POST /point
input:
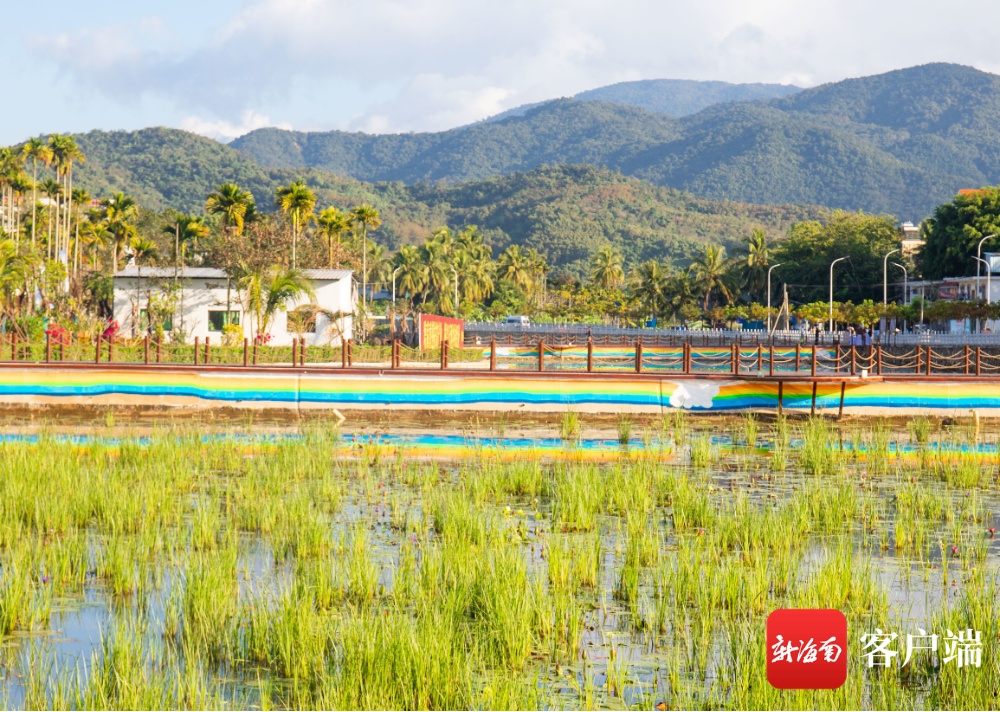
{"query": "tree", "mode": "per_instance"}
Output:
(516, 267)
(119, 212)
(411, 279)
(37, 150)
(606, 268)
(365, 218)
(187, 229)
(232, 203)
(333, 224)
(271, 289)
(143, 250)
(710, 271)
(64, 153)
(296, 202)
(953, 233)
(649, 285)
(757, 263)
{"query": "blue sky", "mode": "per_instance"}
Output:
(222, 67)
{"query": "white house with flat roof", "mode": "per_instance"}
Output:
(200, 301)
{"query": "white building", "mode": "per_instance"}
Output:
(205, 300)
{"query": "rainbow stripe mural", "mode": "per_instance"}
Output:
(498, 391)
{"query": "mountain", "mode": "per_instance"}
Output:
(566, 212)
(900, 142)
(682, 97)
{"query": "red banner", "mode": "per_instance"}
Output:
(435, 329)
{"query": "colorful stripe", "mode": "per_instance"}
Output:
(458, 390)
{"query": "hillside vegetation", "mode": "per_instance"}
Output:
(900, 142)
(565, 212)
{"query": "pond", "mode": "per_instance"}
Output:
(579, 564)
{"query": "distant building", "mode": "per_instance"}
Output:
(206, 301)
(910, 241)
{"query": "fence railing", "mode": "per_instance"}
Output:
(590, 357)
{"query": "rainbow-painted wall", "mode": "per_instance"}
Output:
(292, 388)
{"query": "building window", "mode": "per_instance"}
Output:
(302, 320)
(166, 321)
(219, 319)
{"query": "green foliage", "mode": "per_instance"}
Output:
(954, 232)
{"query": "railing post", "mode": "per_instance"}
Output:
(770, 359)
(246, 352)
(685, 358)
(878, 354)
(350, 353)
(638, 355)
(493, 352)
(798, 357)
(302, 353)
(208, 352)
(929, 359)
(97, 348)
(590, 354)
(541, 355)
(838, 357)
(444, 355)
(920, 359)
(159, 348)
(48, 347)
(62, 350)
(854, 360)
(812, 361)
(392, 354)
(736, 359)
(979, 352)
(111, 348)
(760, 357)
(295, 352)
(343, 353)
(197, 345)
(145, 349)
(967, 359)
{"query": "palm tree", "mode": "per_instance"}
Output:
(710, 271)
(233, 203)
(10, 176)
(52, 189)
(37, 150)
(94, 235)
(365, 218)
(296, 201)
(758, 260)
(143, 250)
(515, 266)
(187, 229)
(119, 211)
(270, 289)
(332, 225)
(64, 152)
(649, 285)
(606, 268)
(14, 271)
(412, 276)
(80, 197)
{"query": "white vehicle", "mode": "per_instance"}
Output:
(518, 320)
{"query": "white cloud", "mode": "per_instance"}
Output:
(226, 130)
(398, 65)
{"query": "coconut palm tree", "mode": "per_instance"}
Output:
(119, 211)
(758, 260)
(80, 198)
(710, 272)
(53, 190)
(606, 268)
(186, 230)
(333, 224)
(515, 267)
(11, 175)
(64, 153)
(143, 251)
(95, 236)
(269, 290)
(233, 203)
(37, 150)
(364, 217)
(411, 279)
(296, 202)
(649, 285)
(14, 272)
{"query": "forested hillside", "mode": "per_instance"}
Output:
(900, 142)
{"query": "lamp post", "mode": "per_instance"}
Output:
(455, 272)
(988, 300)
(769, 296)
(394, 283)
(904, 280)
(885, 281)
(839, 259)
(979, 250)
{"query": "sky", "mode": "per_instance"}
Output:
(223, 68)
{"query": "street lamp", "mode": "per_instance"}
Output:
(885, 281)
(904, 280)
(394, 283)
(769, 296)
(839, 259)
(979, 249)
(988, 300)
